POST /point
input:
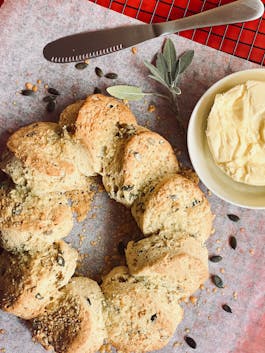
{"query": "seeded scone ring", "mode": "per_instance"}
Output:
(96, 125)
(175, 204)
(174, 258)
(44, 158)
(141, 158)
(30, 281)
(31, 223)
(141, 316)
(73, 323)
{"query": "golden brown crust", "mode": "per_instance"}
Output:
(74, 322)
(31, 223)
(96, 125)
(141, 316)
(141, 159)
(175, 204)
(69, 115)
(28, 282)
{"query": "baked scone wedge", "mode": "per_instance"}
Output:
(31, 223)
(175, 258)
(73, 323)
(28, 282)
(96, 125)
(141, 316)
(175, 204)
(141, 158)
(45, 158)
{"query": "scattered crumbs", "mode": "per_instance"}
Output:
(93, 243)
(35, 88)
(218, 250)
(177, 344)
(87, 61)
(213, 231)
(202, 287)
(2, 331)
(134, 50)
(198, 314)
(207, 290)
(193, 299)
(14, 103)
(218, 241)
(81, 239)
(39, 81)
(187, 330)
(251, 251)
(214, 290)
(28, 85)
(222, 270)
(235, 295)
(46, 86)
(151, 108)
(242, 230)
(209, 317)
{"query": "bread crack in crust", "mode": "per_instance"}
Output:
(30, 281)
(74, 322)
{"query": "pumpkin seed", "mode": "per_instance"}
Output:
(215, 258)
(153, 317)
(121, 248)
(27, 92)
(38, 296)
(60, 261)
(81, 66)
(233, 242)
(50, 107)
(217, 281)
(227, 308)
(97, 90)
(111, 75)
(233, 217)
(53, 91)
(98, 72)
(190, 342)
(48, 99)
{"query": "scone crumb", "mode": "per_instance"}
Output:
(2, 331)
(214, 290)
(177, 344)
(187, 330)
(193, 299)
(134, 50)
(209, 317)
(151, 108)
(251, 251)
(222, 270)
(202, 287)
(235, 295)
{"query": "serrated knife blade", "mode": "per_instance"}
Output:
(87, 45)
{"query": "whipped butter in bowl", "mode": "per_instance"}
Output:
(236, 132)
(226, 138)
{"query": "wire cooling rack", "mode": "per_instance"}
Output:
(244, 40)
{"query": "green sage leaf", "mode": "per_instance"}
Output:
(161, 65)
(169, 53)
(131, 93)
(184, 61)
(155, 72)
(159, 80)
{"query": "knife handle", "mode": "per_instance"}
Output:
(237, 11)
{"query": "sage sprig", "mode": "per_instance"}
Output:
(167, 71)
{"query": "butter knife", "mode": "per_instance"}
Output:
(92, 44)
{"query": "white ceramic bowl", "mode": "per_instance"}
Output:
(214, 179)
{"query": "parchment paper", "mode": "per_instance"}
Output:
(26, 26)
